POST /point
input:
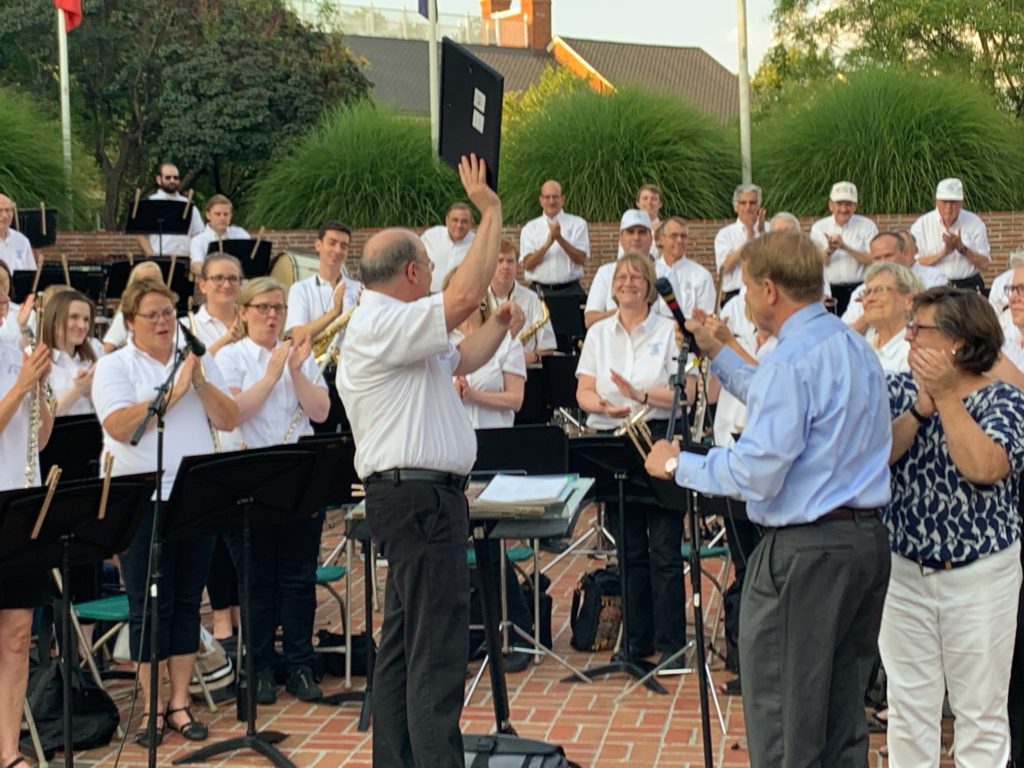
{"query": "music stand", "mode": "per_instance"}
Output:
(75, 445)
(70, 534)
(159, 217)
(610, 460)
(39, 225)
(534, 409)
(219, 494)
(254, 255)
(181, 280)
(90, 279)
(357, 529)
(566, 311)
(471, 103)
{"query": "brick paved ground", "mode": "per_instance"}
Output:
(598, 726)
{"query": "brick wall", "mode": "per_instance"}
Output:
(1005, 231)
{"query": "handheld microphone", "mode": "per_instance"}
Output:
(192, 343)
(664, 289)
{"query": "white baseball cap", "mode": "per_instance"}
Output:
(950, 189)
(634, 217)
(843, 191)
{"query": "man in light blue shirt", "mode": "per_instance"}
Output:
(812, 465)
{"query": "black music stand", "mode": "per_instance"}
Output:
(181, 280)
(611, 460)
(70, 534)
(534, 409)
(90, 279)
(254, 255)
(566, 310)
(357, 529)
(160, 217)
(75, 445)
(40, 229)
(219, 494)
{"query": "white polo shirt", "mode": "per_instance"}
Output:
(16, 251)
(176, 244)
(200, 243)
(928, 231)
(646, 358)
(14, 437)
(208, 328)
(130, 376)
(444, 253)
(556, 267)
(490, 377)
(893, 354)
(311, 297)
(729, 238)
(245, 363)
(64, 371)
(117, 333)
(10, 331)
(395, 380)
(840, 267)
(529, 303)
(690, 281)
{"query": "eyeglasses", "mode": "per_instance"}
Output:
(1017, 289)
(172, 178)
(878, 290)
(428, 265)
(221, 279)
(914, 328)
(152, 317)
(266, 309)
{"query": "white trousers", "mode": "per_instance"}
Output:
(950, 630)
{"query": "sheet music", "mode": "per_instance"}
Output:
(519, 489)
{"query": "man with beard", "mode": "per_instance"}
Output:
(167, 182)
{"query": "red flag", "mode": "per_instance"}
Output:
(72, 12)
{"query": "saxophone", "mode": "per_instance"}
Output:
(213, 430)
(323, 341)
(529, 333)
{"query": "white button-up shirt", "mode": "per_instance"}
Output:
(200, 244)
(556, 267)
(1013, 345)
(928, 231)
(245, 363)
(529, 303)
(208, 328)
(893, 354)
(728, 239)
(176, 244)
(10, 331)
(997, 293)
(731, 412)
(395, 380)
(693, 284)
(490, 377)
(646, 358)
(117, 333)
(734, 315)
(16, 250)
(310, 298)
(840, 267)
(65, 370)
(929, 276)
(444, 253)
(130, 376)
(14, 436)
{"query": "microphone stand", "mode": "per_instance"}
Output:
(157, 408)
(679, 403)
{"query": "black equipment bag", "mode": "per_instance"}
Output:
(501, 750)
(596, 611)
(544, 620)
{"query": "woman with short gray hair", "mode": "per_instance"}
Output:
(888, 291)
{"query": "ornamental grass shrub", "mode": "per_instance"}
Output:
(894, 135)
(32, 163)
(365, 165)
(603, 147)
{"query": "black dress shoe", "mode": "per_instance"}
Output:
(266, 686)
(516, 661)
(302, 686)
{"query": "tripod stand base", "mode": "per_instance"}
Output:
(638, 670)
(262, 742)
(363, 697)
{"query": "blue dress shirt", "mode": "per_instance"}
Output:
(818, 433)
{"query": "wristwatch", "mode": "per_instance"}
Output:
(670, 465)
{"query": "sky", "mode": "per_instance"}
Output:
(707, 24)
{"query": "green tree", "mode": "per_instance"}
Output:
(978, 40)
(142, 69)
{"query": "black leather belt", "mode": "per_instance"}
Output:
(399, 476)
(943, 565)
(558, 286)
(846, 513)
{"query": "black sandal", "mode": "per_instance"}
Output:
(142, 737)
(193, 730)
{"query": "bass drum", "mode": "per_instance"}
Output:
(288, 268)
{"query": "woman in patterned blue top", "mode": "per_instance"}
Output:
(950, 613)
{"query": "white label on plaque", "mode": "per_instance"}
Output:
(478, 121)
(479, 100)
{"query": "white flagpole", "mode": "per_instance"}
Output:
(434, 75)
(65, 112)
(744, 80)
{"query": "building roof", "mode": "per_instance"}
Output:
(398, 70)
(690, 73)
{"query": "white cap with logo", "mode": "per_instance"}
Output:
(843, 191)
(634, 217)
(950, 189)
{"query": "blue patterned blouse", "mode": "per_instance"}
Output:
(935, 514)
